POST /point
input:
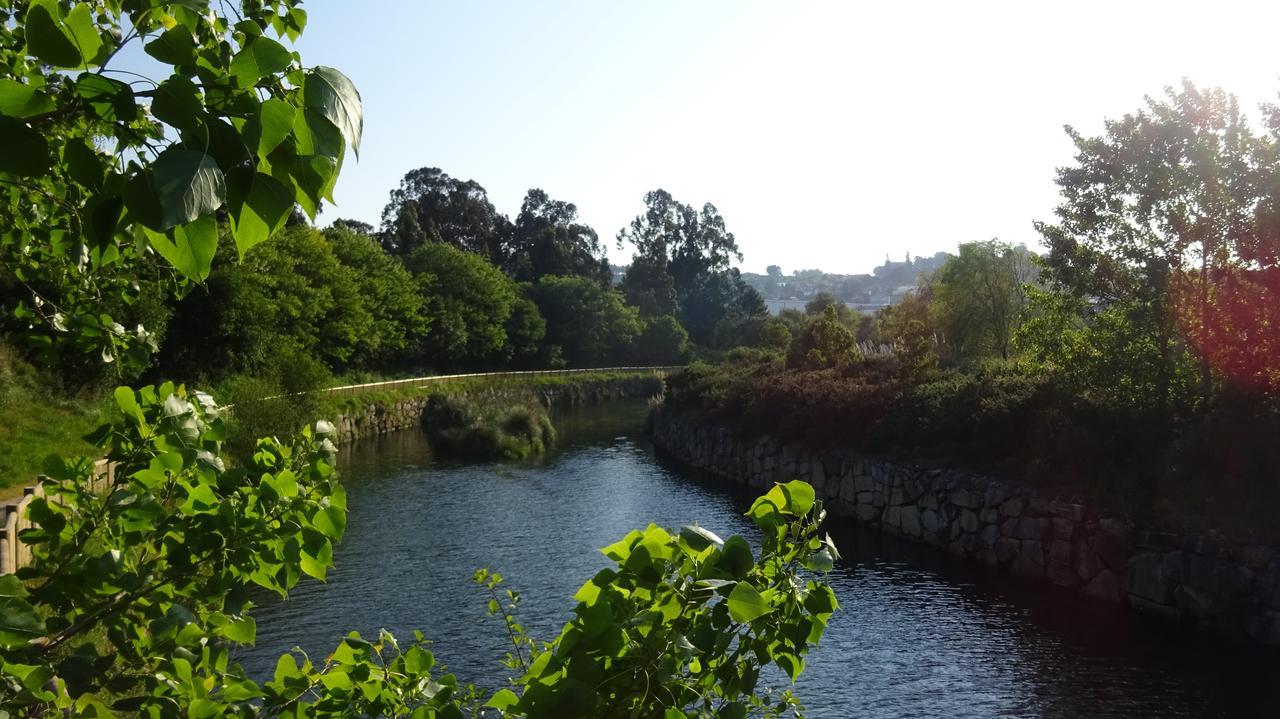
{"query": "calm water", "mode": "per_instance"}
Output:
(916, 637)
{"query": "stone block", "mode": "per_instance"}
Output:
(929, 521)
(990, 515)
(969, 521)
(990, 535)
(1145, 580)
(864, 483)
(866, 513)
(1063, 529)
(910, 522)
(893, 517)
(1105, 587)
(1007, 549)
(1030, 558)
(966, 499)
(995, 495)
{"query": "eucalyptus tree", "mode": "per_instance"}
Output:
(102, 167)
(548, 239)
(430, 206)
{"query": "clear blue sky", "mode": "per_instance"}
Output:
(829, 134)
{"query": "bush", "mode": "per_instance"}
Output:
(472, 428)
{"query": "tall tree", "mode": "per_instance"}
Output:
(547, 239)
(1170, 193)
(683, 261)
(431, 206)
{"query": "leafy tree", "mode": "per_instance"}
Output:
(291, 295)
(979, 298)
(1175, 186)
(775, 335)
(387, 291)
(590, 324)
(662, 342)
(101, 171)
(430, 206)
(547, 239)
(526, 330)
(683, 260)
(469, 302)
(821, 301)
(824, 342)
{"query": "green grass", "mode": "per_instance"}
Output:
(38, 419)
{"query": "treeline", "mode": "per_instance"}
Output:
(446, 284)
(1139, 358)
(877, 287)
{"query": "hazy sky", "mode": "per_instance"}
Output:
(829, 134)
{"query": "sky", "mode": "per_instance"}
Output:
(829, 134)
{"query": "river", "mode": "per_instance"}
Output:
(917, 635)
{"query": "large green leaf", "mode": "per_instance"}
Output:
(260, 58)
(189, 248)
(84, 34)
(275, 121)
(45, 38)
(20, 100)
(261, 212)
(746, 604)
(111, 100)
(19, 622)
(331, 94)
(175, 46)
(189, 185)
(177, 102)
(23, 151)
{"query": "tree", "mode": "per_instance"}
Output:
(662, 342)
(547, 239)
(289, 296)
(775, 335)
(430, 206)
(98, 172)
(979, 298)
(590, 324)
(398, 317)
(824, 342)
(683, 260)
(1182, 184)
(469, 302)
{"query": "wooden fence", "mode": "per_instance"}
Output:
(14, 554)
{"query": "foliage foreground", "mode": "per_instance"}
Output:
(137, 598)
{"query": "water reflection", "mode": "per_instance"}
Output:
(917, 636)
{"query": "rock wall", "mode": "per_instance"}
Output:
(406, 412)
(1226, 586)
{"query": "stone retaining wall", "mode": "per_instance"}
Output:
(1223, 585)
(406, 413)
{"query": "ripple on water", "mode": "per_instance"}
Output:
(916, 636)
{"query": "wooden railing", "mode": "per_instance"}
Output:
(13, 515)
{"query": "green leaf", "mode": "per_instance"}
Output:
(111, 100)
(189, 185)
(799, 497)
(502, 700)
(84, 164)
(331, 522)
(175, 46)
(23, 151)
(20, 100)
(177, 102)
(11, 586)
(19, 623)
(243, 630)
(84, 35)
(275, 119)
(699, 538)
(45, 38)
(189, 248)
(260, 58)
(261, 213)
(746, 604)
(331, 94)
(735, 558)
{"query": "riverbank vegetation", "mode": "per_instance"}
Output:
(124, 204)
(1136, 360)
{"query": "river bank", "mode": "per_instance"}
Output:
(915, 627)
(1227, 586)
